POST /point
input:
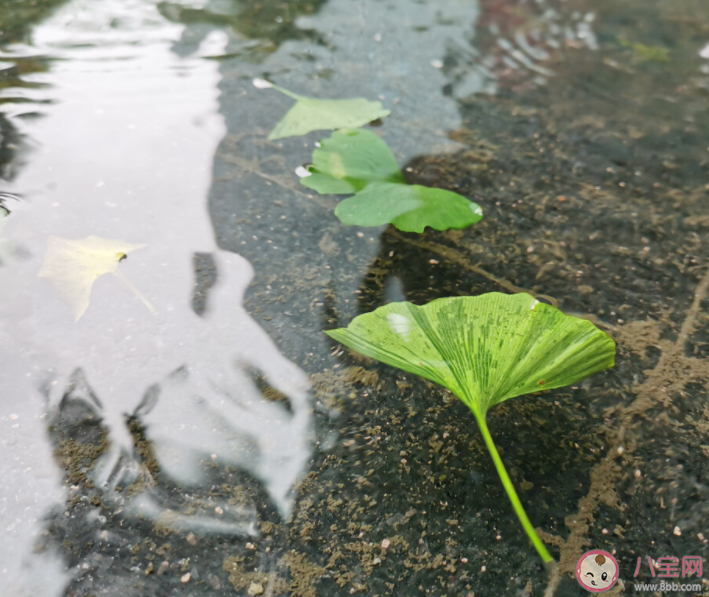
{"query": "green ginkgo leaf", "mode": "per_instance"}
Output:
(486, 350)
(409, 207)
(312, 114)
(358, 161)
(73, 266)
(349, 161)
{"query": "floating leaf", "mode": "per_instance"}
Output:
(312, 114)
(358, 161)
(409, 207)
(73, 266)
(486, 350)
(349, 161)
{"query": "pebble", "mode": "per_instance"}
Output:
(386, 543)
(163, 568)
(218, 510)
(191, 539)
(256, 588)
(677, 531)
(185, 578)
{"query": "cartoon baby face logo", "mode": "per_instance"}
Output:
(597, 571)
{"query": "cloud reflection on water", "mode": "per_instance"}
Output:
(125, 152)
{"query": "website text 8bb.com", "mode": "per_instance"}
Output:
(668, 586)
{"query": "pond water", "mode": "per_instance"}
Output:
(194, 431)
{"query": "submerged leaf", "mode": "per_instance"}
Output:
(358, 161)
(312, 114)
(484, 349)
(409, 207)
(73, 266)
(349, 161)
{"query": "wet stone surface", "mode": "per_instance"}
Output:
(593, 184)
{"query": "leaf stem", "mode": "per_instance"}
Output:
(295, 96)
(137, 293)
(512, 494)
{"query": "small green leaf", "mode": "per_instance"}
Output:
(409, 207)
(358, 161)
(311, 114)
(349, 161)
(484, 349)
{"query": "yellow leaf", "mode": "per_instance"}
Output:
(73, 266)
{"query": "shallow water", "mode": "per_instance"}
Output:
(208, 438)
